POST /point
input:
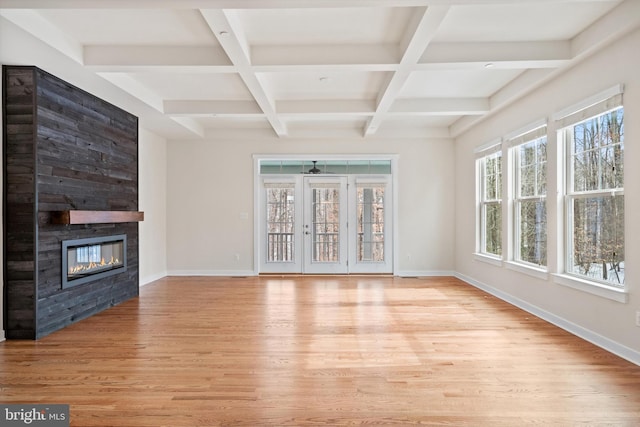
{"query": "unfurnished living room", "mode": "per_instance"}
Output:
(320, 212)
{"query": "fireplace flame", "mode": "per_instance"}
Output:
(86, 268)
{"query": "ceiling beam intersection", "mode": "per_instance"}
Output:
(417, 37)
(231, 37)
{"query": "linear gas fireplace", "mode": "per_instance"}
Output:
(85, 260)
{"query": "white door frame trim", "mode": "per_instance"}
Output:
(257, 224)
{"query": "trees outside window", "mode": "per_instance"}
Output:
(595, 198)
(280, 223)
(490, 167)
(530, 200)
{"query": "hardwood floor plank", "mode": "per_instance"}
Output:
(314, 350)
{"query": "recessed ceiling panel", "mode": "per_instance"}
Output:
(456, 83)
(520, 21)
(418, 121)
(324, 85)
(133, 26)
(234, 122)
(344, 123)
(324, 26)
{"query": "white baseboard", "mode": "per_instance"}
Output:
(146, 280)
(586, 334)
(421, 273)
(408, 273)
(221, 273)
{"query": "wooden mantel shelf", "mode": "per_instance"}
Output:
(95, 217)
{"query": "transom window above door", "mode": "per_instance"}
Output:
(345, 167)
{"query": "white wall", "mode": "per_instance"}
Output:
(152, 200)
(210, 184)
(609, 323)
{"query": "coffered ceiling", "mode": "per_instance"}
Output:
(323, 68)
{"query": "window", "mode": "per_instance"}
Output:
(594, 140)
(530, 197)
(490, 173)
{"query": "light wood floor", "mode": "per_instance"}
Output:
(320, 351)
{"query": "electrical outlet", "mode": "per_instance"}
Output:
(638, 318)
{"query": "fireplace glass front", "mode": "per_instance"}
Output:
(85, 260)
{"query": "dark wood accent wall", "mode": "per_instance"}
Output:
(64, 149)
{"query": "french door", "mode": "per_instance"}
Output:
(326, 224)
(325, 247)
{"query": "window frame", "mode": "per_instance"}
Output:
(566, 135)
(534, 134)
(492, 150)
(571, 195)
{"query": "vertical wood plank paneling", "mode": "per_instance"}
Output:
(86, 157)
(19, 196)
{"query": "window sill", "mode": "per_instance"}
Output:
(530, 270)
(594, 288)
(489, 259)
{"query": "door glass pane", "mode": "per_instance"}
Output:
(370, 211)
(326, 225)
(280, 225)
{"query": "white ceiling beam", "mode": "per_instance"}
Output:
(190, 124)
(334, 106)
(525, 83)
(420, 132)
(231, 38)
(211, 108)
(417, 37)
(126, 58)
(232, 20)
(618, 22)
(440, 106)
(35, 24)
(498, 55)
(252, 4)
(135, 88)
(310, 132)
(326, 118)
